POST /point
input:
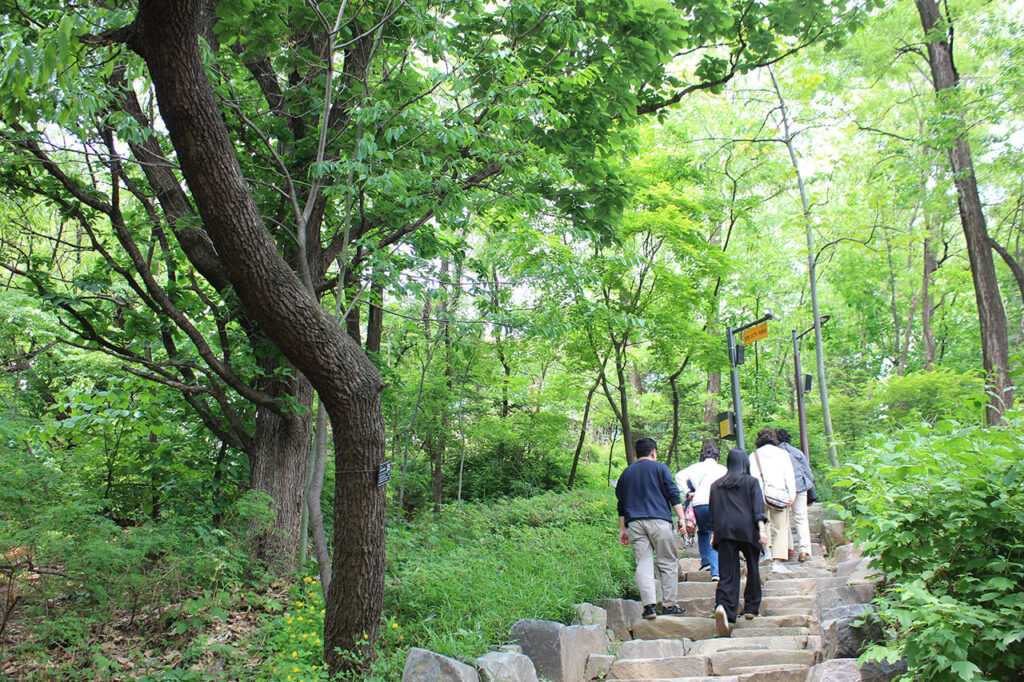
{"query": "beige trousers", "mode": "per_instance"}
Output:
(801, 525)
(649, 537)
(778, 532)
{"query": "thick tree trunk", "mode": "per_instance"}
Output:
(278, 466)
(165, 35)
(995, 349)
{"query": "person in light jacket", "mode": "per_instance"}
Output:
(773, 468)
(698, 478)
(804, 482)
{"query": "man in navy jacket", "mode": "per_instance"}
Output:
(647, 495)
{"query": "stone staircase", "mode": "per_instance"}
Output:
(803, 634)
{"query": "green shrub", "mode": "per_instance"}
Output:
(941, 506)
(458, 581)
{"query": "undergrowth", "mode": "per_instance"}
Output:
(457, 582)
(941, 506)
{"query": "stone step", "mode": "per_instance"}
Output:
(791, 571)
(729, 662)
(776, 605)
(675, 627)
(668, 667)
(702, 678)
(709, 646)
(786, 586)
(771, 673)
(798, 620)
(741, 633)
(703, 627)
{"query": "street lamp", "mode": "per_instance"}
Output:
(800, 386)
(736, 359)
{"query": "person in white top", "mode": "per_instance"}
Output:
(773, 469)
(697, 478)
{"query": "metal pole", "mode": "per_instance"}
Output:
(734, 379)
(799, 386)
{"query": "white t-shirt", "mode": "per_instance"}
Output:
(701, 475)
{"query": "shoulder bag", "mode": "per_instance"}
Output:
(774, 497)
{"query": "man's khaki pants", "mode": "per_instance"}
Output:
(649, 537)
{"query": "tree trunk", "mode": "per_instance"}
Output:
(995, 350)
(930, 265)
(712, 393)
(165, 35)
(316, 513)
(583, 433)
(279, 464)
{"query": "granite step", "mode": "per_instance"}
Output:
(770, 673)
(729, 662)
(666, 667)
(710, 646)
(770, 606)
(743, 632)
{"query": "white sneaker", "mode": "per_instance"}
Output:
(722, 626)
(779, 567)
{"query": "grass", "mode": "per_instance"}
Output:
(457, 582)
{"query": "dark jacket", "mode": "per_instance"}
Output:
(736, 510)
(646, 491)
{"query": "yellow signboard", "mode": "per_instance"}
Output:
(755, 333)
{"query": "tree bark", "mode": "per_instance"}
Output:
(165, 35)
(991, 315)
(278, 466)
(929, 266)
(583, 433)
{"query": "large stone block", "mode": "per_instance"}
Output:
(651, 648)
(559, 652)
(882, 671)
(426, 666)
(835, 670)
(844, 640)
(675, 627)
(833, 533)
(622, 613)
(853, 593)
(771, 673)
(847, 552)
(659, 668)
(588, 614)
(726, 662)
(597, 667)
(506, 666)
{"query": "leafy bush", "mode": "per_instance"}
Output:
(457, 582)
(941, 507)
(898, 401)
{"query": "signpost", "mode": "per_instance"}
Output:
(749, 333)
(755, 333)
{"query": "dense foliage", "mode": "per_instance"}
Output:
(941, 507)
(536, 219)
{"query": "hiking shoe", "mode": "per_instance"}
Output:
(722, 626)
(649, 612)
(672, 610)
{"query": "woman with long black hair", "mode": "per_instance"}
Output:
(738, 518)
